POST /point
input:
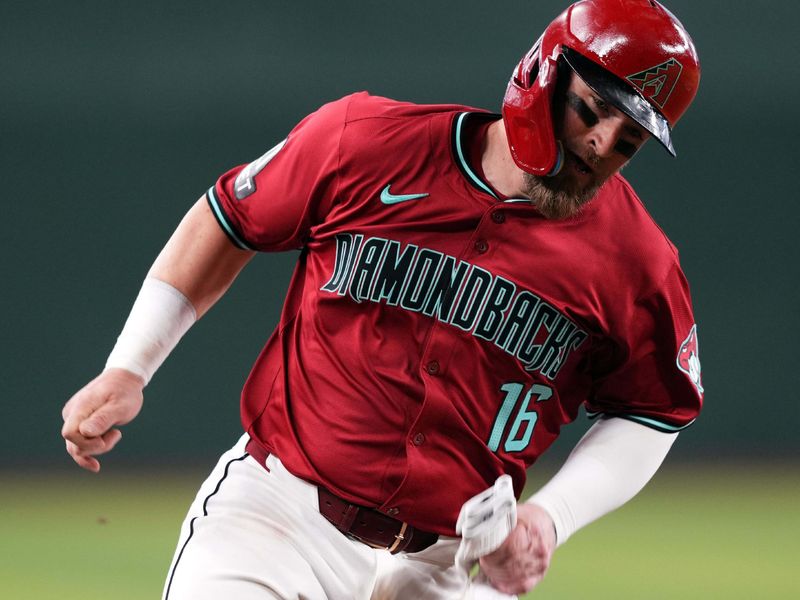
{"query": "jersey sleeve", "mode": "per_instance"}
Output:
(272, 203)
(655, 377)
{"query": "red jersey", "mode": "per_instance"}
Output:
(435, 336)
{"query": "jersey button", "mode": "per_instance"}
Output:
(419, 439)
(499, 216)
(432, 367)
(393, 511)
(481, 246)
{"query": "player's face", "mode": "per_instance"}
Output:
(598, 140)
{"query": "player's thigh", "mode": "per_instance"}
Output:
(251, 531)
(213, 569)
(237, 540)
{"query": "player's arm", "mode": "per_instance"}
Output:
(195, 268)
(608, 467)
(199, 259)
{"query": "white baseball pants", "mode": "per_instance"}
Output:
(253, 534)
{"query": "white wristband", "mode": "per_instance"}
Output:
(607, 467)
(160, 316)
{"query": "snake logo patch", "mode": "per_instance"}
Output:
(657, 83)
(688, 359)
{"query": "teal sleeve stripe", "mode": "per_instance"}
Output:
(464, 163)
(648, 422)
(222, 219)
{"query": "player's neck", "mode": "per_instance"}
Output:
(498, 166)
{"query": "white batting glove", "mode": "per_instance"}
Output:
(484, 523)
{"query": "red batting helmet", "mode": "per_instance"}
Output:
(634, 53)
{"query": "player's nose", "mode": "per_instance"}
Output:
(603, 136)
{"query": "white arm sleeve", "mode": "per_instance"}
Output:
(607, 467)
(160, 316)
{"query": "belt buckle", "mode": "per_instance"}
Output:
(399, 538)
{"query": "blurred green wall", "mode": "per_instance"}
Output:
(116, 116)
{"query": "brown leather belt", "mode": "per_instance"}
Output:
(373, 527)
(367, 525)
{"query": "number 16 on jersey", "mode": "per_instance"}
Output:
(514, 442)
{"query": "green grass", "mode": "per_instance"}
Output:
(86, 537)
(718, 532)
(725, 532)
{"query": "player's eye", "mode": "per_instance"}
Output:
(626, 148)
(586, 114)
(600, 104)
(635, 133)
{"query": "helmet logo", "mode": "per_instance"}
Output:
(657, 83)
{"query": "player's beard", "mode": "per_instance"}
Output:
(559, 196)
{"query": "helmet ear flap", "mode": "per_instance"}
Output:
(528, 114)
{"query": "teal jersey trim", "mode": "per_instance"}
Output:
(646, 421)
(464, 164)
(219, 214)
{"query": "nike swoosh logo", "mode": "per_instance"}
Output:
(389, 198)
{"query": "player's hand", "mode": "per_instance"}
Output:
(113, 398)
(522, 560)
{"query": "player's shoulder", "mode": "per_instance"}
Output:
(637, 232)
(364, 106)
(629, 206)
(376, 123)
(379, 129)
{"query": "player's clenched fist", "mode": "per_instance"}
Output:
(522, 560)
(113, 398)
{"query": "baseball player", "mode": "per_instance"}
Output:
(466, 282)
